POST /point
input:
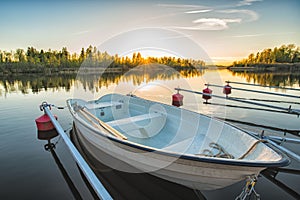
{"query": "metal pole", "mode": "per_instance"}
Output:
(89, 174)
(276, 87)
(285, 150)
(257, 91)
(282, 139)
(289, 110)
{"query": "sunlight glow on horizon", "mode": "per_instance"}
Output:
(158, 53)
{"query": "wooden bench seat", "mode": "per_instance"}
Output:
(133, 119)
(154, 124)
(100, 105)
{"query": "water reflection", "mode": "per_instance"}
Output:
(143, 74)
(275, 78)
(138, 75)
(91, 81)
(47, 135)
(35, 83)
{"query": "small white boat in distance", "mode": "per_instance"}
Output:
(188, 148)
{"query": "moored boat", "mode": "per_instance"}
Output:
(178, 145)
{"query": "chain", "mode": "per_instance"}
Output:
(45, 104)
(249, 189)
(59, 107)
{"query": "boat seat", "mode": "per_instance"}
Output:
(180, 146)
(137, 118)
(153, 123)
(95, 105)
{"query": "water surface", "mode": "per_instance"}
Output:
(28, 171)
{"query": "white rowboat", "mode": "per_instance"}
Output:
(188, 148)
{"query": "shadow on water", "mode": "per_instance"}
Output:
(122, 185)
(50, 147)
(271, 174)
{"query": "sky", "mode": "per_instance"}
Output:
(217, 31)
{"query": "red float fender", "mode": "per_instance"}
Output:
(227, 89)
(177, 100)
(206, 91)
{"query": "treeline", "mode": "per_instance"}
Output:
(284, 54)
(33, 59)
(39, 58)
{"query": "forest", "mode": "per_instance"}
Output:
(282, 55)
(35, 61)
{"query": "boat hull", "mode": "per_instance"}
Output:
(190, 173)
(142, 136)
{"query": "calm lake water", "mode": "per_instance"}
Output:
(28, 171)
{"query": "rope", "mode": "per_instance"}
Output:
(224, 154)
(252, 148)
(59, 107)
(221, 152)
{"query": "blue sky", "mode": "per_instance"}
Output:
(225, 29)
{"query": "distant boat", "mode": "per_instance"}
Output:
(172, 143)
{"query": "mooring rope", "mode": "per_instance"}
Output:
(252, 148)
(220, 154)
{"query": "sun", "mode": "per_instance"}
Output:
(152, 52)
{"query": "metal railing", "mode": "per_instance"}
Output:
(100, 190)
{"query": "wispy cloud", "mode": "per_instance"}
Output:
(216, 20)
(186, 6)
(209, 24)
(175, 37)
(81, 32)
(250, 35)
(209, 18)
(197, 11)
(247, 2)
(262, 34)
(252, 16)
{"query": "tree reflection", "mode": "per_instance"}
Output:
(34, 83)
(275, 78)
(93, 81)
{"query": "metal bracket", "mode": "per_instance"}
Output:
(44, 105)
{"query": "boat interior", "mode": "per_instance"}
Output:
(176, 130)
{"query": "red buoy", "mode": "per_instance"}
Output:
(205, 92)
(177, 99)
(44, 123)
(227, 89)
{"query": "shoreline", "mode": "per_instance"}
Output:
(266, 67)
